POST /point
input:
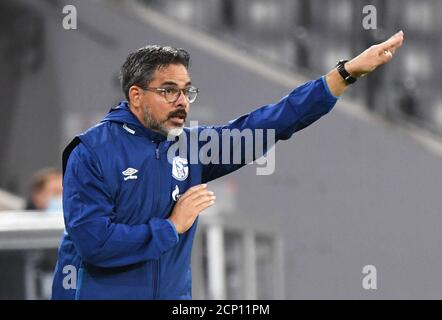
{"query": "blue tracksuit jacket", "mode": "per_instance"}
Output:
(118, 193)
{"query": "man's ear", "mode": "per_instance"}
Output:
(135, 96)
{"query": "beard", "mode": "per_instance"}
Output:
(160, 126)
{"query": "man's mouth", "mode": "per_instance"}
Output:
(178, 118)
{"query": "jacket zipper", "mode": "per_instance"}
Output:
(156, 278)
(155, 265)
(157, 151)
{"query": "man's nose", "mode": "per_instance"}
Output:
(182, 100)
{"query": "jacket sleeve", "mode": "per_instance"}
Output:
(303, 106)
(88, 211)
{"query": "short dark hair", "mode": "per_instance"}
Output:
(139, 67)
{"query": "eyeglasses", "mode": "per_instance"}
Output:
(172, 94)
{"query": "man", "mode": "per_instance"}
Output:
(130, 210)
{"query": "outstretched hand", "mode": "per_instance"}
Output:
(365, 63)
(375, 56)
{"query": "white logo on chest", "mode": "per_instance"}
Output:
(129, 174)
(180, 168)
(176, 194)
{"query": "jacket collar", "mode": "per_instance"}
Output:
(123, 115)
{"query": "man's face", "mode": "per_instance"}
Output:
(152, 108)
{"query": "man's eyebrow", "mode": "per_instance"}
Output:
(172, 83)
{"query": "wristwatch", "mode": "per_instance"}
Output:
(344, 73)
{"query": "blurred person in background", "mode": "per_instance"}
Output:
(130, 213)
(46, 191)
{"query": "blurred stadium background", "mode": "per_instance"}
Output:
(360, 187)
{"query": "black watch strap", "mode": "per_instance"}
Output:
(348, 78)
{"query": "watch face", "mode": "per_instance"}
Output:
(350, 79)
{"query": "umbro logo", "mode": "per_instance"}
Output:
(129, 174)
